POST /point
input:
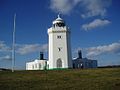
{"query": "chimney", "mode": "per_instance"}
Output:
(79, 54)
(41, 56)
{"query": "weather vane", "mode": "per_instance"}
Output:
(59, 14)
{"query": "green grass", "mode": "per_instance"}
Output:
(87, 79)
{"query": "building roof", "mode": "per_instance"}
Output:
(58, 20)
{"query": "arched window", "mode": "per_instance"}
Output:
(59, 63)
(35, 65)
(39, 65)
(32, 66)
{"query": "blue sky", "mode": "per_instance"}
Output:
(94, 25)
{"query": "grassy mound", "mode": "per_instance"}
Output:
(87, 79)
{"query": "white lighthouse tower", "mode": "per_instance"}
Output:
(59, 45)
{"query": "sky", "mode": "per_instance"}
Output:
(94, 26)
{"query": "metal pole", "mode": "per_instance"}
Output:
(13, 46)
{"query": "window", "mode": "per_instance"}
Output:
(59, 49)
(59, 37)
(60, 24)
(32, 66)
(35, 65)
(39, 66)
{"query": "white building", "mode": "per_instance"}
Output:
(80, 62)
(38, 64)
(59, 45)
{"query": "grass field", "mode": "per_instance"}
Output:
(87, 79)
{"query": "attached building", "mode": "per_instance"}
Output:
(80, 62)
(37, 64)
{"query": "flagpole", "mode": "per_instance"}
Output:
(13, 45)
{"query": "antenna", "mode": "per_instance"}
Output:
(13, 45)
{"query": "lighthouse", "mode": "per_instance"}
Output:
(60, 51)
(59, 45)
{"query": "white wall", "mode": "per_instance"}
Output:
(64, 43)
(36, 65)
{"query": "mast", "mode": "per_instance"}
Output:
(13, 45)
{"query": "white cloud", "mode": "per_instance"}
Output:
(24, 48)
(4, 47)
(96, 23)
(90, 8)
(44, 48)
(111, 48)
(7, 57)
(30, 48)
(63, 6)
(95, 7)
